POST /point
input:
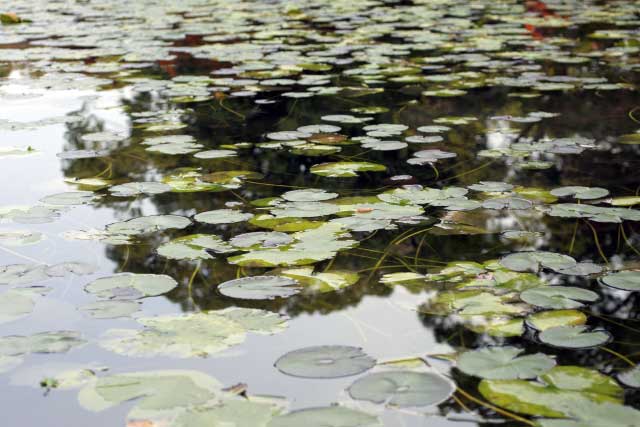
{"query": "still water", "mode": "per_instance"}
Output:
(322, 213)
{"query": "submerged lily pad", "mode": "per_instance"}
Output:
(402, 388)
(328, 361)
(110, 309)
(131, 286)
(260, 287)
(504, 363)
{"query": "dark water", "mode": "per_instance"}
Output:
(79, 68)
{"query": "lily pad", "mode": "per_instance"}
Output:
(631, 377)
(222, 216)
(260, 287)
(573, 337)
(129, 286)
(194, 247)
(148, 224)
(582, 193)
(534, 261)
(558, 296)
(346, 169)
(330, 416)
(70, 198)
(136, 188)
(328, 361)
(627, 280)
(504, 363)
(308, 195)
(402, 388)
(110, 309)
(326, 281)
(553, 318)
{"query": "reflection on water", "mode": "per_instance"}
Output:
(525, 96)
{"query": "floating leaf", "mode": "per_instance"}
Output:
(222, 216)
(558, 296)
(148, 224)
(573, 337)
(533, 261)
(325, 281)
(127, 286)
(327, 361)
(110, 309)
(628, 280)
(504, 363)
(70, 198)
(402, 388)
(308, 195)
(14, 305)
(330, 416)
(631, 377)
(186, 335)
(135, 188)
(346, 169)
(194, 247)
(550, 319)
(260, 287)
(582, 193)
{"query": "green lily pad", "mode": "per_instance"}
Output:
(128, 286)
(553, 318)
(582, 193)
(194, 247)
(215, 154)
(558, 297)
(260, 287)
(582, 379)
(573, 337)
(326, 281)
(504, 363)
(286, 225)
(330, 416)
(22, 274)
(628, 280)
(309, 246)
(402, 388)
(260, 240)
(183, 336)
(308, 195)
(222, 216)
(131, 189)
(491, 187)
(535, 260)
(327, 361)
(148, 224)
(631, 377)
(346, 169)
(474, 303)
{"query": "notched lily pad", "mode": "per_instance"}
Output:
(328, 361)
(130, 286)
(260, 287)
(503, 363)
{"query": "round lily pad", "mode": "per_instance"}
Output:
(110, 309)
(308, 195)
(503, 363)
(403, 388)
(135, 188)
(327, 361)
(148, 224)
(558, 296)
(533, 261)
(260, 287)
(125, 286)
(573, 337)
(583, 193)
(69, 198)
(628, 280)
(222, 216)
(631, 377)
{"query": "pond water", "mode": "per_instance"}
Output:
(323, 213)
